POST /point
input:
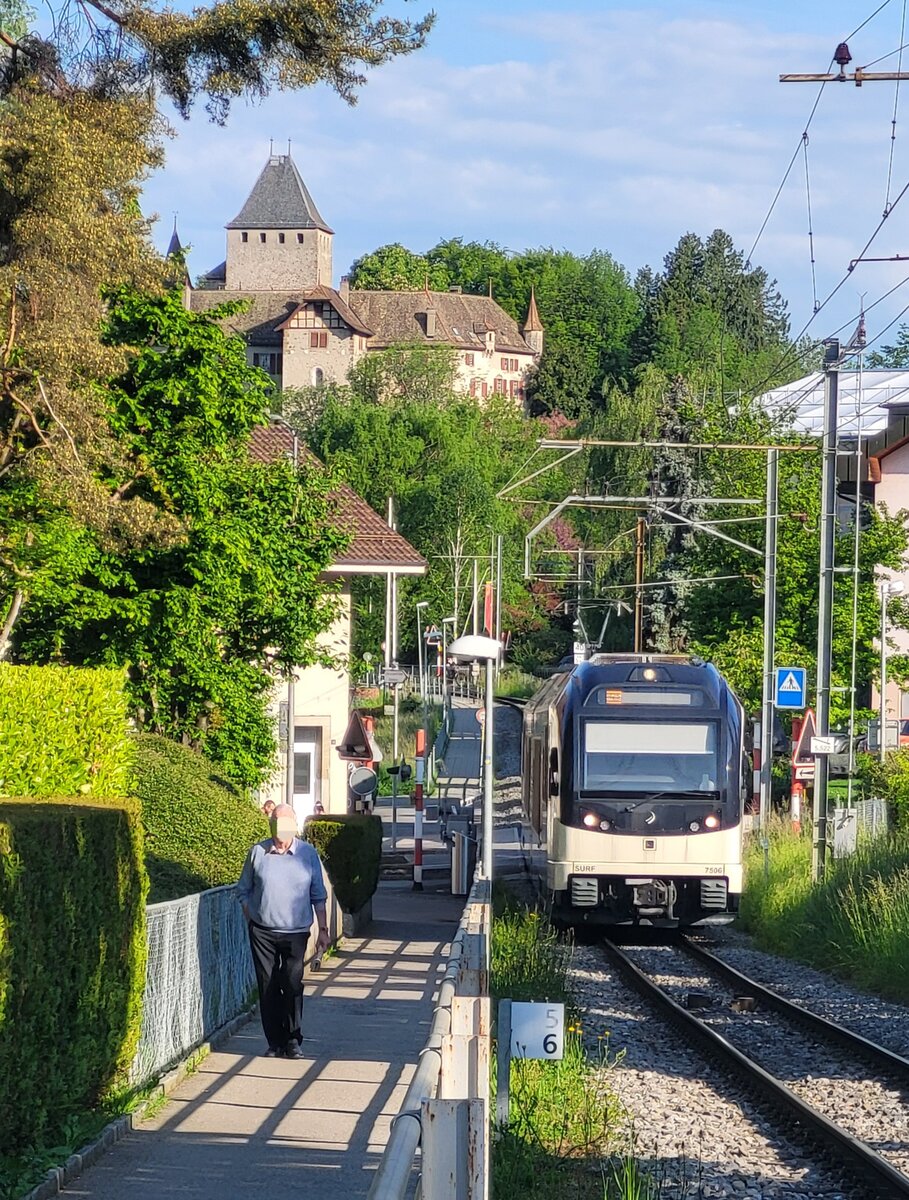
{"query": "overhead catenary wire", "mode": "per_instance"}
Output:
(810, 222)
(896, 106)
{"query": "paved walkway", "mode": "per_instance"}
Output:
(246, 1126)
(243, 1125)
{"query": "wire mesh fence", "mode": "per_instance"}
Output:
(199, 976)
(868, 818)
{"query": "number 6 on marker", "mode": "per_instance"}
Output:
(537, 1030)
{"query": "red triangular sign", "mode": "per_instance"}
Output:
(802, 756)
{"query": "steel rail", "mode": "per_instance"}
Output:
(873, 1053)
(872, 1172)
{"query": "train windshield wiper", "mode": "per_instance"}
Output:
(682, 794)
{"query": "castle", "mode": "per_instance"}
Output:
(304, 333)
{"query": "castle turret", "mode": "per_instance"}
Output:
(279, 240)
(533, 326)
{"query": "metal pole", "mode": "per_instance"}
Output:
(394, 778)
(638, 586)
(770, 551)
(476, 612)
(825, 603)
(291, 698)
(883, 733)
(859, 464)
(487, 772)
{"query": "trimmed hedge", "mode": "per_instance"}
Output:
(63, 732)
(198, 826)
(351, 849)
(72, 960)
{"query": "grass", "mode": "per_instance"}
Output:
(564, 1115)
(516, 683)
(855, 923)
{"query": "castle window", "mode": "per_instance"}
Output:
(261, 237)
(244, 236)
(268, 361)
(281, 238)
(318, 341)
(504, 364)
(473, 387)
(485, 391)
(300, 238)
(318, 377)
(468, 360)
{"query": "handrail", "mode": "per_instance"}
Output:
(393, 1175)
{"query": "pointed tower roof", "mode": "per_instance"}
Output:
(279, 200)
(532, 322)
(174, 245)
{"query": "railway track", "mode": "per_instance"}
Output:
(728, 1023)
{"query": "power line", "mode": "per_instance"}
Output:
(896, 105)
(810, 223)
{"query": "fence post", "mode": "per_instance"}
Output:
(455, 1149)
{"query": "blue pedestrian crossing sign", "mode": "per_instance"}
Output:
(789, 691)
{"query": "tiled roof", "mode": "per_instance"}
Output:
(343, 309)
(263, 321)
(217, 275)
(461, 319)
(374, 547)
(532, 323)
(279, 200)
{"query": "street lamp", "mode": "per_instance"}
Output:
(445, 621)
(476, 646)
(421, 604)
(889, 587)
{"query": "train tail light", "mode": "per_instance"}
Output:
(694, 826)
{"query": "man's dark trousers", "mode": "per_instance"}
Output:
(278, 959)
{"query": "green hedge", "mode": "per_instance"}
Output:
(198, 825)
(63, 732)
(72, 960)
(351, 849)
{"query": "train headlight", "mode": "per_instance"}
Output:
(712, 821)
(649, 674)
(591, 819)
(694, 826)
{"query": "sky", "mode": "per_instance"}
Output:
(583, 124)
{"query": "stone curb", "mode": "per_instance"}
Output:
(58, 1177)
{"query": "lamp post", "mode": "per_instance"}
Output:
(476, 646)
(889, 587)
(421, 604)
(445, 621)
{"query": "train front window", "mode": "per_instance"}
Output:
(650, 756)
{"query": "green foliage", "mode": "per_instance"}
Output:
(890, 781)
(351, 849)
(232, 49)
(855, 923)
(198, 826)
(563, 1114)
(72, 960)
(63, 732)
(895, 356)
(443, 458)
(587, 305)
(204, 625)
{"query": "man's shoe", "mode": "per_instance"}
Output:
(274, 1052)
(293, 1050)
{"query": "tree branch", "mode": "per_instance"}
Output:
(12, 615)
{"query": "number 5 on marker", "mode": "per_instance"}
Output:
(537, 1030)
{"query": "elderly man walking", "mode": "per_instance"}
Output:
(280, 887)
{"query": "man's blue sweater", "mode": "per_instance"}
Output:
(279, 890)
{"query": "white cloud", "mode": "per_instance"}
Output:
(621, 130)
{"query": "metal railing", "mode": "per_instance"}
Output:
(453, 1075)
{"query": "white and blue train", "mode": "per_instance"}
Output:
(635, 773)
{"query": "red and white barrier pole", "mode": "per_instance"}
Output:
(795, 804)
(756, 774)
(418, 811)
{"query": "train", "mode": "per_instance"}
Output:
(635, 771)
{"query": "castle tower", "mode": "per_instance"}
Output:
(278, 241)
(533, 326)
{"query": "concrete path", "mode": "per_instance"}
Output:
(245, 1126)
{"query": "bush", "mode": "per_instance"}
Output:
(198, 825)
(351, 849)
(890, 781)
(72, 959)
(855, 923)
(63, 732)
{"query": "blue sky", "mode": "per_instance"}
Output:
(588, 123)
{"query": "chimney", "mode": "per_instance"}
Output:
(431, 322)
(344, 289)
